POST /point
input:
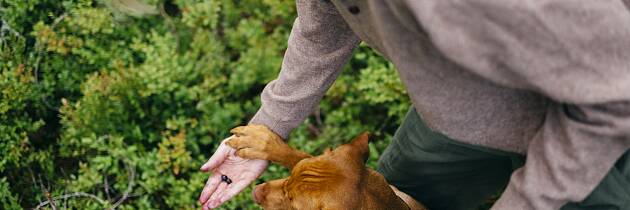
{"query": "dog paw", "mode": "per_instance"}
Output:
(256, 142)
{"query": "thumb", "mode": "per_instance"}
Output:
(218, 157)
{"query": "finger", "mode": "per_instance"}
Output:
(211, 185)
(250, 153)
(213, 202)
(233, 190)
(204, 207)
(217, 158)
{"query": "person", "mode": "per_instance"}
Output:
(529, 97)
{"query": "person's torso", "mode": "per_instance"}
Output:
(451, 99)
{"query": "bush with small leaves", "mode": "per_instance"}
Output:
(116, 103)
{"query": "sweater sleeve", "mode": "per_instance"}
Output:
(572, 152)
(319, 45)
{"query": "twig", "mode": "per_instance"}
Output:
(106, 186)
(127, 194)
(59, 19)
(6, 27)
(5, 35)
(313, 129)
(65, 201)
(49, 196)
(172, 27)
(46, 193)
(132, 175)
(72, 195)
(318, 116)
(39, 53)
(33, 177)
(41, 183)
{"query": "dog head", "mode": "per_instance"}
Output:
(328, 181)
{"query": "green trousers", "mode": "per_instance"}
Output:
(445, 174)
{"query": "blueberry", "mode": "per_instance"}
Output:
(226, 179)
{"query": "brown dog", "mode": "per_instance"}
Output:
(337, 179)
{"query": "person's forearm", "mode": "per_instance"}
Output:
(571, 154)
(319, 45)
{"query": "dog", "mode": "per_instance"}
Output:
(335, 180)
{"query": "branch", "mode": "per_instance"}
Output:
(318, 116)
(172, 27)
(127, 194)
(46, 192)
(316, 129)
(59, 19)
(6, 27)
(106, 186)
(5, 35)
(132, 175)
(72, 195)
(313, 129)
(38, 53)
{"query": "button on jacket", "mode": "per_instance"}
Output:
(549, 79)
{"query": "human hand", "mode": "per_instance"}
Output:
(239, 170)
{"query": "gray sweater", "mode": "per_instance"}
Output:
(547, 78)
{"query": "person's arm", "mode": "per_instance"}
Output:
(319, 45)
(577, 53)
(572, 152)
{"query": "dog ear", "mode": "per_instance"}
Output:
(360, 146)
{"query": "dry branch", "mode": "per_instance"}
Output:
(127, 194)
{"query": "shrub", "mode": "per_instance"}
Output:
(99, 99)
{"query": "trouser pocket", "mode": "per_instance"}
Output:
(439, 172)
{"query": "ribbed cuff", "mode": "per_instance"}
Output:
(520, 197)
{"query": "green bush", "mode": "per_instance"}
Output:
(103, 99)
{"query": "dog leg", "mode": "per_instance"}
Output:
(259, 142)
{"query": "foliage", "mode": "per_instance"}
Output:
(91, 91)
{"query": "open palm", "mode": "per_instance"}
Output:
(241, 171)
